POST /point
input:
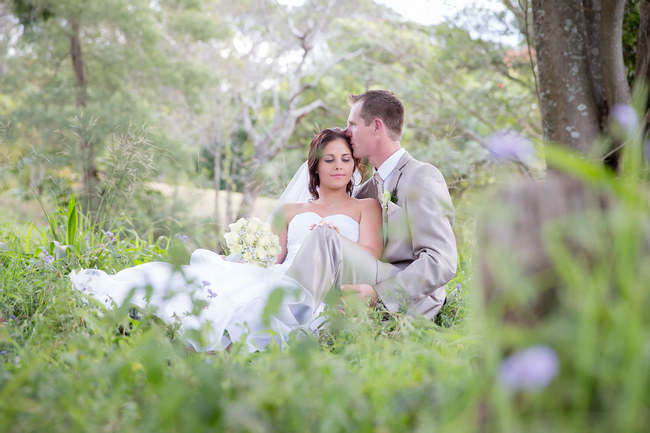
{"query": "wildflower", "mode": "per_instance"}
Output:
(510, 146)
(46, 257)
(109, 234)
(183, 238)
(206, 283)
(458, 286)
(626, 117)
(211, 293)
(529, 369)
(4, 352)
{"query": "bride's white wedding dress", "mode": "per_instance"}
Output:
(230, 297)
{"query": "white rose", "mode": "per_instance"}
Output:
(263, 240)
(249, 239)
(253, 225)
(260, 253)
(237, 226)
(231, 238)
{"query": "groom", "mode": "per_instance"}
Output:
(419, 255)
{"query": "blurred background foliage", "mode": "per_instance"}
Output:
(227, 96)
(143, 109)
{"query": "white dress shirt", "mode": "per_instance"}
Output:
(388, 167)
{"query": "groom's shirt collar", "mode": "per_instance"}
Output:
(388, 167)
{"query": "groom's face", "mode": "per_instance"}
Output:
(361, 135)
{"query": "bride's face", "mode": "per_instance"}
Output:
(336, 165)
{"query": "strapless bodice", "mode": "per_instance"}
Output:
(299, 228)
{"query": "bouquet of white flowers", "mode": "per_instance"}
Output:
(252, 241)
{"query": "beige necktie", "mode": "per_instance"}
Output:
(379, 184)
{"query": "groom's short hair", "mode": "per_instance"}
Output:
(384, 105)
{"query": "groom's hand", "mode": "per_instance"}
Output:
(364, 291)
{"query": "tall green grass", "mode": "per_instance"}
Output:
(68, 364)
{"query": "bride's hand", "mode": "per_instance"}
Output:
(324, 223)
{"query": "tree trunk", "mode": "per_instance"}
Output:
(78, 64)
(86, 144)
(252, 188)
(611, 49)
(592, 11)
(642, 61)
(567, 101)
(218, 149)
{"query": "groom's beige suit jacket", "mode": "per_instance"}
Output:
(419, 240)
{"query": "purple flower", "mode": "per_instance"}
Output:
(45, 256)
(109, 234)
(3, 352)
(532, 368)
(458, 286)
(510, 146)
(206, 283)
(183, 238)
(211, 294)
(624, 115)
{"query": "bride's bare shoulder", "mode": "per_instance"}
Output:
(368, 204)
(290, 210)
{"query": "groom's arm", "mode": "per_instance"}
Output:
(430, 216)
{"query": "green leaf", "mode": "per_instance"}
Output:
(72, 221)
(272, 305)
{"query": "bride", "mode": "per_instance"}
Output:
(231, 297)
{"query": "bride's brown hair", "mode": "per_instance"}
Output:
(318, 144)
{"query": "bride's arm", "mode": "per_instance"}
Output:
(370, 227)
(279, 225)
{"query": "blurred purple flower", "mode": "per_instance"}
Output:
(183, 238)
(206, 283)
(45, 256)
(532, 368)
(624, 115)
(211, 294)
(109, 234)
(3, 352)
(510, 146)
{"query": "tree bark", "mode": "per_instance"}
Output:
(76, 55)
(86, 144)
(567, 100)
(593, 12)
(216, 154)
(611, 51)
(642, 61)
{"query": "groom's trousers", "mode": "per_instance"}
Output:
(326, 260)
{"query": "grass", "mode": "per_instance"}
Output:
(68, 364)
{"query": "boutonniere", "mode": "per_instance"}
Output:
(388, 196)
